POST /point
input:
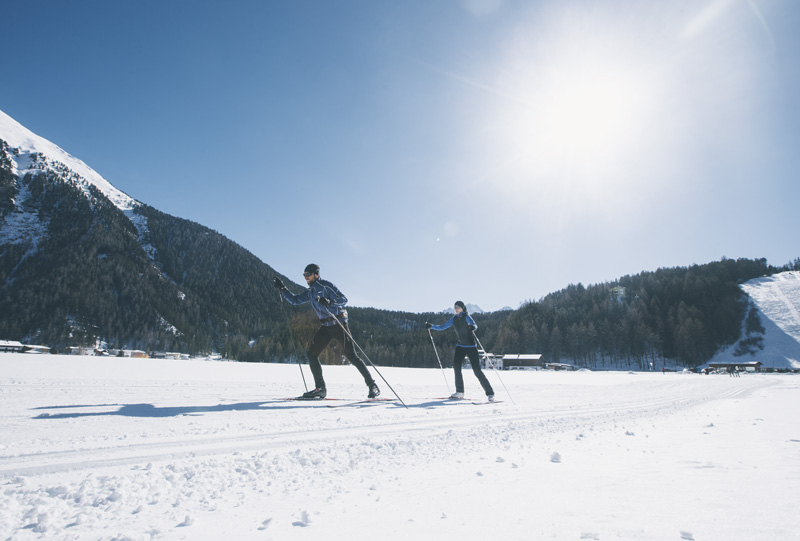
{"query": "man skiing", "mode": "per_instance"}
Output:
(328, 304)
(464, 326)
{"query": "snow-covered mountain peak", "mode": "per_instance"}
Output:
(471, 308)
(29, 144)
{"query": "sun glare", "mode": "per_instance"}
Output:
(582, 109)
(589, 114)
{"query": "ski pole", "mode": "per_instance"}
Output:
(350, 336)
(299, 365)
(486, 356)
(440, 361)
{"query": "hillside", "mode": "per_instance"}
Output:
(82, 263)
(671, 317)
(771, 331)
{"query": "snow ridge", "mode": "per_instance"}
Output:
(31, 153)
(28, 143)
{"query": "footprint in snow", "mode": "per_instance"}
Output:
(687, 536)
(265, 524)
(555, 457)
(304, 521)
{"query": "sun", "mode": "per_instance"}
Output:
(589, 113)
(571, 105)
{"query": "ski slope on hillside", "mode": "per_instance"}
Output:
(107, 448)
(777, 300)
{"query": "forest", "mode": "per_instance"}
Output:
(673, 316)
(96, 279)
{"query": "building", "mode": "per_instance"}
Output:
(31, 348)
(83, 350)
(488, 360)
(513, 361)
(559, 366)
(522, 361)
(8, 346)
(754, 366)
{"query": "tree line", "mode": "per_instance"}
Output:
(672, 316)
(89, 279)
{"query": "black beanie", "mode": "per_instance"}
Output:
(311, 268)
(461, 304)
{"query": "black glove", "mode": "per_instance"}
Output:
(428, 325)
(324, 302)
(472, 328)
(278, 284)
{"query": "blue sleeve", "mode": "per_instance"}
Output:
(443, 326)
(293, 299)
(471, 321)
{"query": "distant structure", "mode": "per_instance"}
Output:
(10, 346)
(522, 361)
(753, 366)
(512, 361)
(559, 366)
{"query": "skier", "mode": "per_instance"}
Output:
(328, 303)
(464, 326)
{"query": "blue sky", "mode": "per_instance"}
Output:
(423, 152)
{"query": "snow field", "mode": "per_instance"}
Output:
(98, 448)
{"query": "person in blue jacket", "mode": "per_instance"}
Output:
(328, 304)
(464, 326)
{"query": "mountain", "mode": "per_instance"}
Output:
(82, 263)
(471, 308)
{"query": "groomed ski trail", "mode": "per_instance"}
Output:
(417, 429)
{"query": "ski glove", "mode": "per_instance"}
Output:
(472, 328)
(278, 284)
(324, 302)
(428, 325)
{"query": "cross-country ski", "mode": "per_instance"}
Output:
(362, 402)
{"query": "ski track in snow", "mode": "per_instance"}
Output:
(76, 459)
(198, 450)
(790, 306)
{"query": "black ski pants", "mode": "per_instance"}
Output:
(321, 339)
(475, 361)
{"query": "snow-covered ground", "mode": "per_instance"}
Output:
(107, 448)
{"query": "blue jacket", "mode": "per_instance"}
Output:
(325, 289)
(460, 323)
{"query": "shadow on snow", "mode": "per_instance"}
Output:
(152, 411)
